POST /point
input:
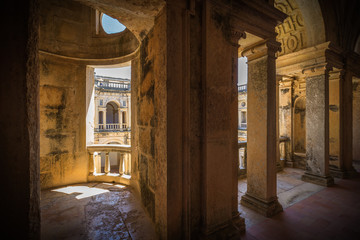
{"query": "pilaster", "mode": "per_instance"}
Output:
(317, 126)
(262, 129)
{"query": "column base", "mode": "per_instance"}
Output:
(340, 173)
(230, 230)
(266, 208)
(325, 181)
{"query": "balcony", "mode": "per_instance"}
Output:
(242, 88)
(112, 127)
(118, 170)
(117, 86)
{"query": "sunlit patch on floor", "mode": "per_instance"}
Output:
(83, 190)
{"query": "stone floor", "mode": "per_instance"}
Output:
(93, 211)
(310, 212)
(290, 190)
(111, 211)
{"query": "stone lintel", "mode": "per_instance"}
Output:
(267, 208)
(344, 174)
(325, 181)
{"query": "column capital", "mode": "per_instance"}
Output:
(317, 69)
(259, 49)
(235, 36)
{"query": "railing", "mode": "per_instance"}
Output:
(123, 166)
(112, 85)
(243, 126)
(242, 88)
(242, 158)
(112, 127)
(284, 150)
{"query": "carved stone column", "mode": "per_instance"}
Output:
(121, 163)
(119, 117)
(107, 163)
(317, 126)
(91, 164)
(262, 145)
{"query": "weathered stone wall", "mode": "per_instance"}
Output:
(67, 45)
(63, 157)
(149, 130)
(356, 119)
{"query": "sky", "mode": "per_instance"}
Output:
(111, 25)
(124, 72)
(242, 70)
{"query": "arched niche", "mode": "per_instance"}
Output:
(112, 114)
(299, 126)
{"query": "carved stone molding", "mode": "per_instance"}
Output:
(291, 33)
(235, 36)
(261, 48)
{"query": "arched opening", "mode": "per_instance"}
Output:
(112, 113)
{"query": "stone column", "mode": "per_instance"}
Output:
(91, 164)
(346, 169)
(119, 117)
(262, 145)
(286, 116)
(129, 112)
(96, 114)
(317, 126)
(107, 163)
(121, 163)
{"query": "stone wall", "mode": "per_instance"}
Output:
(63, 157)
(19, 121)
(356, 119)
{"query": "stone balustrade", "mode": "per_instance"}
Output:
(97, 172)
(112, 127)
(242, 88)
(284, 150)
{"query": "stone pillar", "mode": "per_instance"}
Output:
(91, 164)
(96, 114)
(317, 126)
(262, 129)
(286, 116)
(129, 112)
(346, 169)
(119, 117)
(121, 163)
(107, 163)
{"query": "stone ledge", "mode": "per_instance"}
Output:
(325, 181)
(113, 178)
(266, 208)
